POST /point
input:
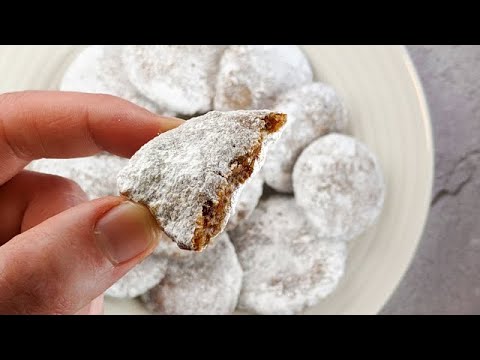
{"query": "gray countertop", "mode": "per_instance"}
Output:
(444, 277)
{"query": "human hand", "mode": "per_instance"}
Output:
(58, 251)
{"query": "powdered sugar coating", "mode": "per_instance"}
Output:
(99, 69)
(247, 201)
(313, 110)
(96, 175)
(252, 76)
(82, 74)
(180, 78)
(141, 278)
(339, 183)
(168, 248)
(286, 266)
(180, 171)
(206, 283)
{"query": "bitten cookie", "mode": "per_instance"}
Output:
(286, 266)
(252, 76)
(247, 201)
(206, 283)
(339, 183)
(313, 110)
(190, 177)
(179, 78)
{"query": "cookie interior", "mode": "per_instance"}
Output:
(210, 222)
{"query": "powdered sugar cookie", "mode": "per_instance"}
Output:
(98, 69)
(82, 74)
(141, 278)
(286, 266)
(339, 184)
(190, 176)
(180, 78)
(200, 283)
(247, 201)
(96, 174)
(313, 110)
(252, 76)
(168, 248)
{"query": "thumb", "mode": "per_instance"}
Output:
(65, 262)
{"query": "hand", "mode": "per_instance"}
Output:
(58, 251)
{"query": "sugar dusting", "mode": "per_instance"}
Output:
(179, 78)
(252, 76)
(180, 171)
(313, 111)
(206, 283)
(141, 278)
(286, 266)
(96, 175)
(247, 201)
(98, 69)
(339, 183)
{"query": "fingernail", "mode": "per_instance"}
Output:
(126, 231)
(169, 123)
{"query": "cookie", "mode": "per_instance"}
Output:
(338, 182)
(313, 110)
(190, 177)
(206, 283)
(96, 174)
(141, 278)
(286, 266)
(247, 201)
(252, 76)
(179, 78)
(99, 69)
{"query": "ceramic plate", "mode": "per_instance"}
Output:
(389, 113)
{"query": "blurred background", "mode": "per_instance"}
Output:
(444, 277)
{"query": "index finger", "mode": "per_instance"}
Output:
(54, 124)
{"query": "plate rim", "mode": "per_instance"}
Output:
(430, 145)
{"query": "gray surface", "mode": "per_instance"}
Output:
(444, 277)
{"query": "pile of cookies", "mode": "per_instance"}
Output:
(286, 243)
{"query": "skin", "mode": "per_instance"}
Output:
(50, 262)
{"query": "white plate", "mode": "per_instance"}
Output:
(389, 113)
